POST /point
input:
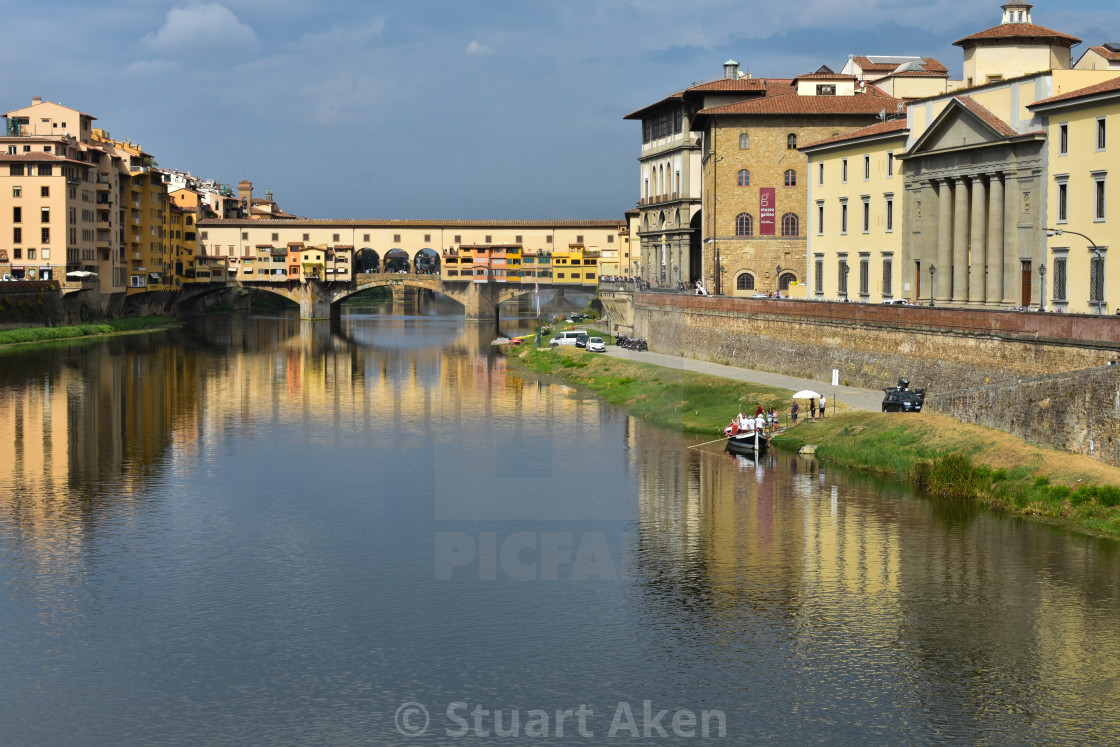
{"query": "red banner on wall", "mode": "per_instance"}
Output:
(766, 211)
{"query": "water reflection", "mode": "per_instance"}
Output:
(234, 523)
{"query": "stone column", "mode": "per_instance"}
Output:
(960, 241)
(1010, 240)
(944, 267)
(995, 241)
(977, 257)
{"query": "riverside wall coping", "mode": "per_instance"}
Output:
(1043, 327)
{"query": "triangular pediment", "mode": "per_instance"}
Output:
(962, 124)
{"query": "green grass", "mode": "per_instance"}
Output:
(682, 400)
(955, 464)
(945, 460)
(46, 334)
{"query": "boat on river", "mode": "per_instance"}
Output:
(746, 441)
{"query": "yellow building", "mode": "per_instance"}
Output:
(575, 265)
(57, 195)
(855, 190)
(1080, 203)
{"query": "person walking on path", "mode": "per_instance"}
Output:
(793, 412)
(812, 408)
(824, 403)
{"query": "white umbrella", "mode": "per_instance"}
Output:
(806, 394)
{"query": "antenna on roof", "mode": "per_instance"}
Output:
(883, 115)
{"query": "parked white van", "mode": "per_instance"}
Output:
(567, 338)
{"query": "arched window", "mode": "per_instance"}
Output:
(785, 280)
(744, 178)
(744, 141)
(791, 141)
(745, 282)
(790, 224)
(791, 178)
(744, 224)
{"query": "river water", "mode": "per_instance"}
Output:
(257, 530)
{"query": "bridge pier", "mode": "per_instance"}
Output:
(316, 301)
(480, 301)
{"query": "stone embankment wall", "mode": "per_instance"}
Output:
(872, 346)
(1077, 411)
(30, 303)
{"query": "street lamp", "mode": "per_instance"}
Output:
(1042, 291)
(1096, 258)
(779, 277)
(932, 270)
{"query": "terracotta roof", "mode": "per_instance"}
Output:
(988, 117)
(1106, 53)
(792, 103)
(1017, 31)
(39, 157)
(919, 74)
(879, 128)
(637, 114)
(1106, 87)
(825, 76)
(731, 84)
(929, 64)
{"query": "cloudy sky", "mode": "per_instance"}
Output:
(495, 109)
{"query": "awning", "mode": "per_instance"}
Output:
(81, 274)
(153, 277)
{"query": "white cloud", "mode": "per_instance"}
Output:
(210, 27)
(151, 67)
(478, 49)
(352, 37)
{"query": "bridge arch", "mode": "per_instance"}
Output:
(397, 260)
(367, 260)
(427, 262)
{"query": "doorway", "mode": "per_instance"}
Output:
(1025, 265)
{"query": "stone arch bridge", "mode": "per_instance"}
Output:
(322, 299)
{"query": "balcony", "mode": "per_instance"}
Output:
(659, 198)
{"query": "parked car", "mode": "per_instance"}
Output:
(898, 302)
(581, 341)
(568, 338)
(596, 345)
(902, 398)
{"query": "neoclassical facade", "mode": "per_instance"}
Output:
(975, 199)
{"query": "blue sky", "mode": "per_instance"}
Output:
(426, 109)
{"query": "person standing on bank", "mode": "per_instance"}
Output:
(793, 412)
(824, 403)
(812, 408)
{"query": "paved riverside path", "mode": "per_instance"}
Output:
(860, 399)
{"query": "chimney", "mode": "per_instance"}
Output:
(35, 100)
(731, 70)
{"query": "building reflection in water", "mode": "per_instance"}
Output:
(789, 565)
(757, 570)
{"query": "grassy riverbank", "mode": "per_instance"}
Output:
(27, 335)
(683, 400)
(945, 459)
